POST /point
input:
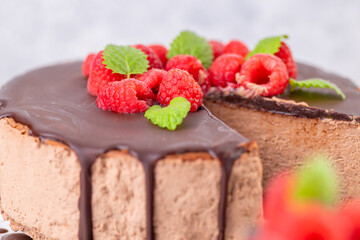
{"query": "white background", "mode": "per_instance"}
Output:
(40, 32)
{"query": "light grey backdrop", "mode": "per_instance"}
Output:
(40, 32)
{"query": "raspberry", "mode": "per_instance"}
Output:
(188, 63)
(285, 55)
(217, 47)
(153, 77)
(180, 83)
(127, 96)
(223, 70)
(154, 60)
(263, 74)
(100, 75)
(204, 81)
(236, 47)
(161, 51)
(87, 63)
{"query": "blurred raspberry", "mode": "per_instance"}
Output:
(223, 70)
(264, 75)
(236, 47)
(87, 64)
(127, 96)
(285, 55)
(152, 57)
(313, 222)
(153, 77)
(217, 47)
(278, 197)
(100, 76)
(161, 51)
(179, 83)
(350, 217)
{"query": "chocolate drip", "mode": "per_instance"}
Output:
(54, 103)
(323, 103)
(227, 159)
(16, 236)
(3, 230)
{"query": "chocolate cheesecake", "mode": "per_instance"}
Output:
(299, 123)
(69, 170)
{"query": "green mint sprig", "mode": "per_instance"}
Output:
(270, 45)
(188, 43)
(125, 60)
(171, 116)
(316, 83)
(317, 181)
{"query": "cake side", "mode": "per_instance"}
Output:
(39, 184)
(187, 192)
(285, 141)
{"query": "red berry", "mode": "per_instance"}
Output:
(153, 77)
(236, 47)
(285, 55)
(161, 51)
(188, 63)
(87, 64)
(204, 81)
(217, 47)
(263, 74)
(100, 75)
(179, 83)
(127, 96)
(154, 60)
(223, 70)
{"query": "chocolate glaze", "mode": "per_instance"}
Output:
(54, 103)
(16, 236)
(3, 230)
(323, 103)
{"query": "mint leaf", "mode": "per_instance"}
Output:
(188, 43)
(171, 116)
(125, 60)
(316, 182)
(270, 45)
(316, 83)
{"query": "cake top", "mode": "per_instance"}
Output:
(54, 103)
(310, 103)
(326, 98)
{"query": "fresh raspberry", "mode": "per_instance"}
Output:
(223, 70)
(217, 47)
(236, 47)
(161, 51)
(188, 63)
(127, 96)
(263, 74)
(87, 63)
(153, 77)
(100, 75)
(154, 60)
(180, 83)
(285, 55)
(204, 81)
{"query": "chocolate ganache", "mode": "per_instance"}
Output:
(322, 103)
(54, 103)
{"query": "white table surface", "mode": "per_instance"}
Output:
(33, 33)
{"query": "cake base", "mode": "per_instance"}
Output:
(43, 198)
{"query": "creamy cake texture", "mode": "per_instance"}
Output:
(294, 125)
(77, 171)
